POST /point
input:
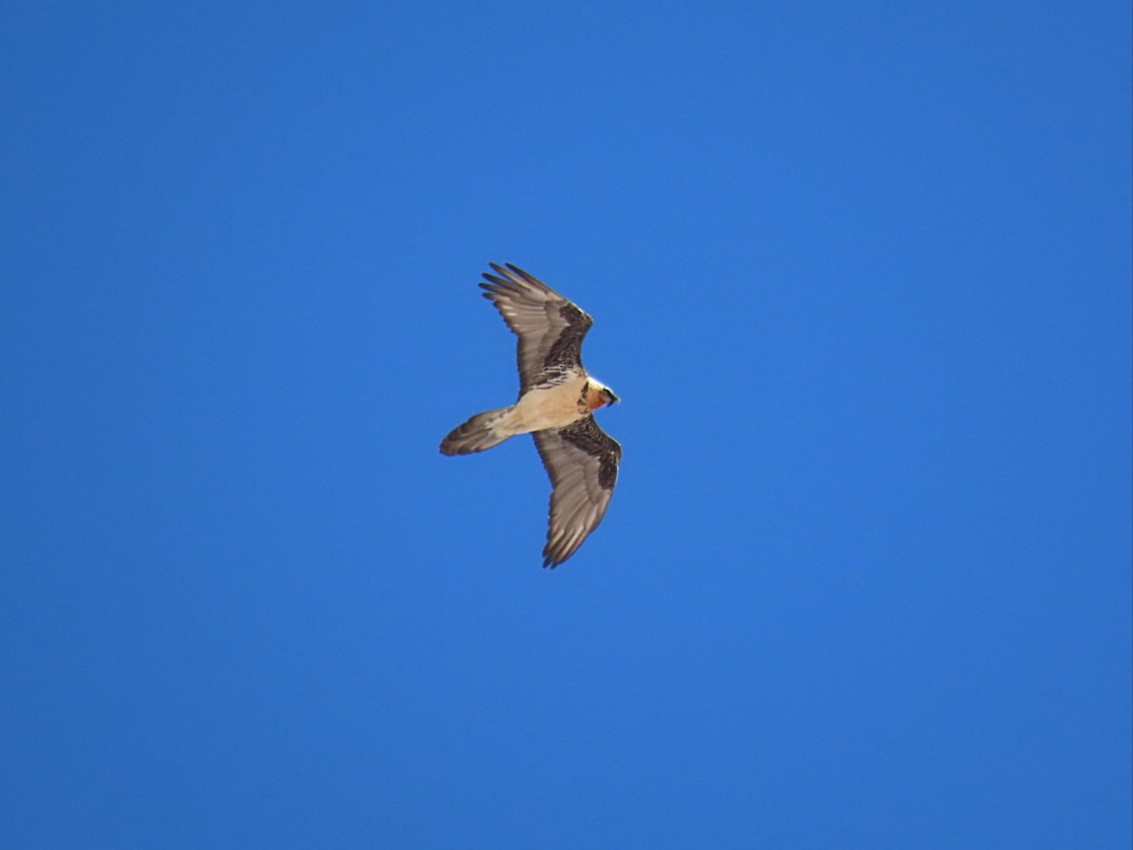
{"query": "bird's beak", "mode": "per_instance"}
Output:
(611, 398)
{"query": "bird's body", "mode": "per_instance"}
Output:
(542, 407)
(557, 399)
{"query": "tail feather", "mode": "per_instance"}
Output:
(477, 434)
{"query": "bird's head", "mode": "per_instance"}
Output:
(601, 395)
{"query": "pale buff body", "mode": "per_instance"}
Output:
(551, 407)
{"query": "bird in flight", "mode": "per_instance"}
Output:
(556, 405)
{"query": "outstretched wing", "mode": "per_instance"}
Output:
(582, 461)
(550, 328)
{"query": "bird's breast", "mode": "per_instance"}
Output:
(552, 407)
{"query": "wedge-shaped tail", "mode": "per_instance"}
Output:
(477, 434)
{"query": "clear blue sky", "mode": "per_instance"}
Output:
(861, 275)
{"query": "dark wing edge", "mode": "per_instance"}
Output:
(550, 327)
(582, 463)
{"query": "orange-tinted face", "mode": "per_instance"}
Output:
(599, 398)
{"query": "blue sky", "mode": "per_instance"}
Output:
(861, 276)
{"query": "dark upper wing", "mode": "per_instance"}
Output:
(582, 461)
(550, 328)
